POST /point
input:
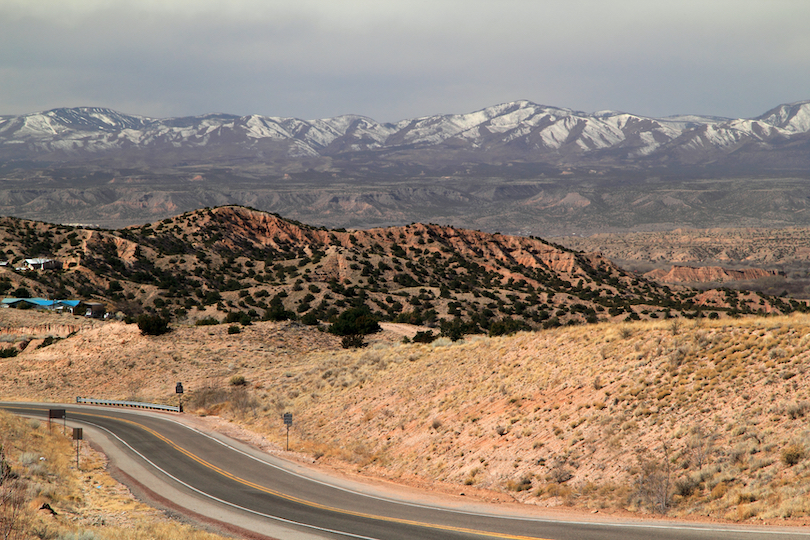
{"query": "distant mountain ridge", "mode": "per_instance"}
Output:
(519, 131)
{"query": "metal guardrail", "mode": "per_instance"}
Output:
(134, 404)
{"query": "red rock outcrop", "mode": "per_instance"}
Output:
(707, 274)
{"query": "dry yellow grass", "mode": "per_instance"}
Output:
(89, 504)
(693, 418)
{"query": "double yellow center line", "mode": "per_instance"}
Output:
(311, 504)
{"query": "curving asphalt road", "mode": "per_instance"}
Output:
(221, 480)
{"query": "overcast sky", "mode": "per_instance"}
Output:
(396, 59)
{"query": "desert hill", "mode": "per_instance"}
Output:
(692, 418)
(708, 274)
(243, 264)
(734, 246)
(772, 260)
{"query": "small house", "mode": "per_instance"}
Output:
(42, 264)
(68, 306)
(41, 303)
(94, 309)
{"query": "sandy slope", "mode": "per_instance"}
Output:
(573, 416)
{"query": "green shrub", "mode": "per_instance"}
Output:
(508, 326)
(685, 487)
(206, 321)
(276, 311)
(424, 337)
(233, 329)
(458, 328)
(153, 325)
(524, 484)
(22, 292)
(355, 321)
(238, 380)
(238, 317)
(50, 340)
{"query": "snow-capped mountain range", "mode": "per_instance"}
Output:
(518, 131)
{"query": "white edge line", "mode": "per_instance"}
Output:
(439, 508)
(227, 503)
(481, 514)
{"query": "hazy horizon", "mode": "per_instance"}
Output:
(396, 60)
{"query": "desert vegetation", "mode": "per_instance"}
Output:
(706, 421)
(503, 365)
(689, 418)
(780, 251)
(44, 496)
(237, 265)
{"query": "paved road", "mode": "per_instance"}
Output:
(229, 482)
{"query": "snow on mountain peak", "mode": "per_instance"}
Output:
(607, 113)
(546, 132)
(790, 117)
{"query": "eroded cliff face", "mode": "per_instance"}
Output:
(242, 226)
(494, 252)
(43, 330)
(707, 274)
(702, 247)
(27, 329)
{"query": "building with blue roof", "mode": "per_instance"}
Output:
(41, 303)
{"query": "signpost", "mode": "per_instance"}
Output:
(179, 390)
(77, 436)
(288, 423)
(57, 413)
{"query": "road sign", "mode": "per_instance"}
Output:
(179, 391)
(288, 423)
(57, 413)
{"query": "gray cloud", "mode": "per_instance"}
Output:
(398, 59)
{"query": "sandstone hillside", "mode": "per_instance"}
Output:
(746, 246)
(772, 261)
(247, 265)
(707, 274)
(691, 418)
